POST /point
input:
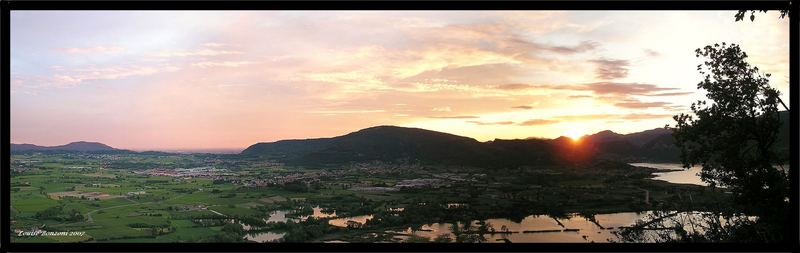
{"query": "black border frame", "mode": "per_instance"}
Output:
(7, 6)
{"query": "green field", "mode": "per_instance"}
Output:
(122, 201)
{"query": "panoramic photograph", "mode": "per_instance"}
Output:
(399, 127)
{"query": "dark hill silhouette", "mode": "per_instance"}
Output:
(391, 143)
(604, 136)
(654, 145)
(387, 143)
(642, 138)
(79, 146)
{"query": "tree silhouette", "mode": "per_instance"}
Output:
(732, 136)
(742, 13)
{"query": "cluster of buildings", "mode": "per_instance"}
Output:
(377, 167)
(279, 179)
(459, 176)
(208, 172)
(421, 183)
(22, 165)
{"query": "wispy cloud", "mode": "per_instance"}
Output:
(229, 64)
(196, 52)
(505, 39)
(213, 44)
(90, 50)
(599, 88)
(611, 69)
(607, 88)
(345, 111)
(483, 123)
(515, 86)
(484, 74)
(667, 94)
(582, 47)
(441, 109)
(534, 122)
(594, 117)
(524, 107)
(635, 104)
(601, 116)
(455, 117)
(585, 117)
(640, 116)
(620, 94)
(651, 53)
(78, 75)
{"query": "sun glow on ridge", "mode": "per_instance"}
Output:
(574, 134)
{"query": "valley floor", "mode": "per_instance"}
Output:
(225, 198)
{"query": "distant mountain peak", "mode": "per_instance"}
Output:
(83, 146)
(86, 146)
(384, 127)
(375, 143)
(86, 143)
(562, 138)
(606, 132)
(604, 136)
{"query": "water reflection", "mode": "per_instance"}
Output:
(675, 173)
(355, 221)
(572, 228)
(278, 216)
(318, 214)
(534, 228)
(456, 205)
(264, 236)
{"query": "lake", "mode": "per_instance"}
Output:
(675, 173)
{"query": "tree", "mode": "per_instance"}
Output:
(234, 228)
(443, 238)
(732, 136)
(417, 239)
(741, 13)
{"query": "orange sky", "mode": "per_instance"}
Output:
(202, 80)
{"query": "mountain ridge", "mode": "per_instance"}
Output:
(393, 143)
(80, 146)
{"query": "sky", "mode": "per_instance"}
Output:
(165, 80)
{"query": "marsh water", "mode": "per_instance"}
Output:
(264, 236)
(279, 216)
(533, 228)
(537, 228)
(575, 228)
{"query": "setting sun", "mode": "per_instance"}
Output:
(574, 134)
